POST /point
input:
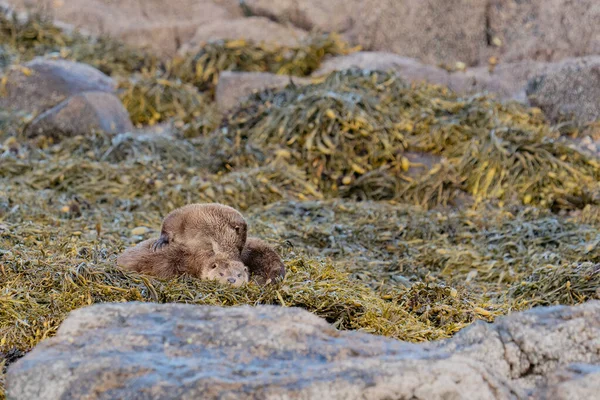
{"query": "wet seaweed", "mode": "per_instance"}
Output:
(36, 35)
(351, 134)
(150, 98)
(203, 67)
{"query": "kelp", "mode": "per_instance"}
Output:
(151, 98)
(36, 35)
(352, 132)
(203, 67)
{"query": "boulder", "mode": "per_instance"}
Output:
(41, 84)
(159, 25)
(571, 90)
(233, 87)
(178, 351)
(325, 16)
(80, 115)
(255, 29)
(409, 69)
(543, 30)
(433, 31)
(507, 80)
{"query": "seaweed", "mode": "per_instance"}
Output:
(203, 67)
(351, 134)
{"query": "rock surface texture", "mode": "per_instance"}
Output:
(80, 115)
(41, 84)
(569, 90)
(255, 29)
(176, 351)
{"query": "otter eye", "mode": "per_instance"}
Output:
(239, 275)
(214, 266)
(237, 228)
(222, 274)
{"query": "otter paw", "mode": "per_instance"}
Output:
(160, 243)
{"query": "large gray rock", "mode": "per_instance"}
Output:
(409, 69)
(233, 87)
(328, 16)
(254, 29)
(177, 351)
(80, 115)
(41, 84)
(543, 30)
(572, 90)
(433, 31)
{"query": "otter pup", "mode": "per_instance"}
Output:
(172, 261)
(197, 226)
(263, 261)
(220, 268)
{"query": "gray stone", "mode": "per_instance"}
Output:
(176, 351)
(41, 84)
(254, 29)
(543, 30)
(80, 115)
(327, 16)
(570, 91)
(409, 69)
(233, 87)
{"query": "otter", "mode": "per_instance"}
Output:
(193, 234)
(263, 261)
(197, 226)
(224, 270)
(172, 261)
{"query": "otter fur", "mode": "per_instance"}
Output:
(173, 260)
(195, 238)
(262, 261)
(197, 226)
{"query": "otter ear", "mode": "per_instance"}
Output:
(214, 266)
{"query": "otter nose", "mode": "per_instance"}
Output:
(231, 280)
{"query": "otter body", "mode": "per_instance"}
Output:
(201, 225)
(172, 261)
(262, 261)
(207, 241)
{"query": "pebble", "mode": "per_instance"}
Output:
(140, 230)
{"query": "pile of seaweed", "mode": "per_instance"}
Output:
(351, 178)
(354, 133)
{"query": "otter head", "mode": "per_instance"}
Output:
(195, 226)
(220, 268)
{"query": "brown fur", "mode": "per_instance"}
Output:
(221, 268)
(173, 260)
(198, 226)
(263, 261)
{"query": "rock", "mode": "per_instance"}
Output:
(432, 31)
(177, 351)
(159, 25)
(543, 30)
(41, 84)
(572, 90)
(409, 69)
(80, 115)
(325, 16)
(255, 29)
(235, 86)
